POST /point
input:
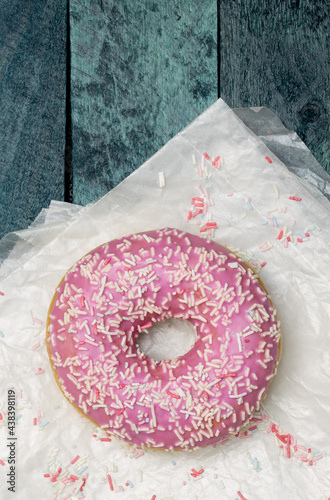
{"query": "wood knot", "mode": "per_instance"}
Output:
(310, 112)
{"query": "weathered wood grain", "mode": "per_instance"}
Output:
(141, 71)
(32, 104)
(276, 54)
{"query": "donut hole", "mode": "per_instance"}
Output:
(167, 339)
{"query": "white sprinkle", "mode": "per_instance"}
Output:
(161, 178)
(104, 279)
(236, 396)
(211, 384)
(239, 342)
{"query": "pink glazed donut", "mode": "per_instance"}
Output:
(125, 286)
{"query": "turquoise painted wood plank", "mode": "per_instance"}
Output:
(141, 71)
(32, 104)
(276, 54)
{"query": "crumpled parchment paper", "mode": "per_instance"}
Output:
(284, 452)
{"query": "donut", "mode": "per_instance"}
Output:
(127, 285)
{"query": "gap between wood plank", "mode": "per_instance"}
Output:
(68, 188)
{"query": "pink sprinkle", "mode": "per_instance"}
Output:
(307, 235)
(241, 496)
(73, 461)
(40, 371)
(139, 455)
(271, 220)
(1, 293)
(2, 463)
(300, 240)
(274, 427)
(34, 421)
(206, 155)
(189, 215)
(263, 264)
(173, 395)
(82, 486)
(197, 213)
(194, 473)
(207, 195)
(288, 446)
(281, 438)
(216, 162)
(106, 262)
(120, 412)
(224, 375)
(147, 325)
(82, 301)
(35, 346)
(294, 198)
(105, 439)
(268, 159)
(36, 320)
(110, 482)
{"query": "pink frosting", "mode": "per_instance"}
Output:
(128, 284)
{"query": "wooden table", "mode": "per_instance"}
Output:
(74, 123)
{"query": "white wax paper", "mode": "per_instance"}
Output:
(246, 193)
